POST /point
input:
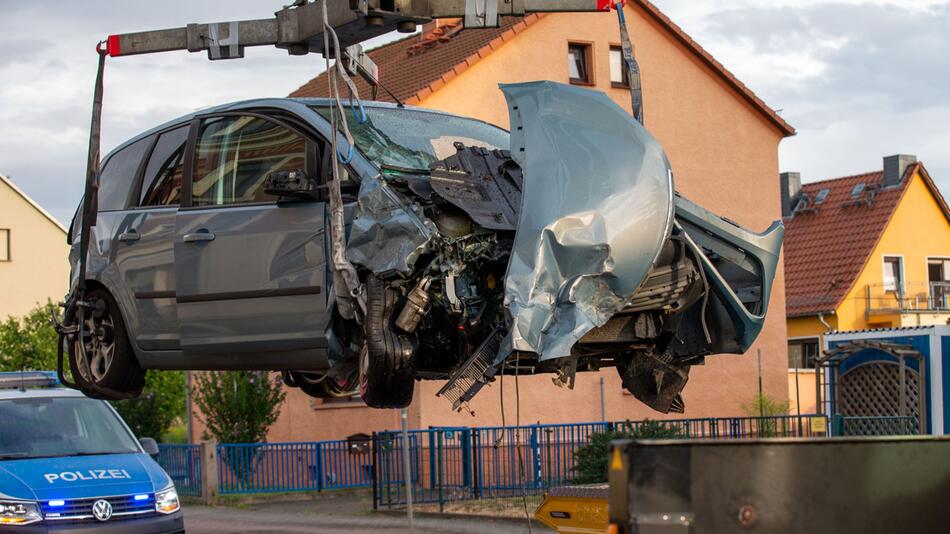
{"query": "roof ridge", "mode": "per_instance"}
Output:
(7, 180)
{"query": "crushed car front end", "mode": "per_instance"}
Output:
(567, 250)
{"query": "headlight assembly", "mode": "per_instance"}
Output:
(166, 501)
(16, 513)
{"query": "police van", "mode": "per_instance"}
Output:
(70, 464)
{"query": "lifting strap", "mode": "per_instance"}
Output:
(631, 65)
(72, 331)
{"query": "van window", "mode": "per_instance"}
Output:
(235, 154)
(161, 183)
(116, 178)
(61, 426)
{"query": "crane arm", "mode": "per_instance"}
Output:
(299, 28)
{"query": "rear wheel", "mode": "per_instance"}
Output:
(105, 357)
(387, 360)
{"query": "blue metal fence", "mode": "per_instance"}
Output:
(454, 464)
(183, 465)
(287, 467)
(446, 464)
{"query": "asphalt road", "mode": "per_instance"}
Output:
(334, 515)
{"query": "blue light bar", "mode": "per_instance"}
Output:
(57, 503)
(28, 379)
(141, 497)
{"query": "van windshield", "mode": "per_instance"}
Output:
(61, 426)
(412, 139)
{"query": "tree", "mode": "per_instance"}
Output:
(238, 407)
(161, 402)
(590, 461)
(28, 342)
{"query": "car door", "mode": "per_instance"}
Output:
(143, 233)
(249, 269)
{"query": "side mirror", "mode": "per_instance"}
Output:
(150, 446)
(292, 184)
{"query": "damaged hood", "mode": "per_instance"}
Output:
(597, 208)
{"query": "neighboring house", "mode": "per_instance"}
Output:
(33, 253)
(722, 141)
(863, 252)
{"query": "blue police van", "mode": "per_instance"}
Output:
(69, 463)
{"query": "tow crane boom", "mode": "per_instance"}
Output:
(298, 28)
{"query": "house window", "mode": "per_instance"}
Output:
(802, 353)
(893, 273)
(938, 277)
(579, 63)
(4, 244)
(618, 71)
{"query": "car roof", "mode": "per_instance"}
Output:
(38, 393)
(292, 105)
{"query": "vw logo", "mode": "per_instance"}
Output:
(102, 510)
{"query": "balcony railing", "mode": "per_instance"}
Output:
(913, 297)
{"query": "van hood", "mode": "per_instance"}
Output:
(76, 477)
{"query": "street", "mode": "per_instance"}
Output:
(333, 515)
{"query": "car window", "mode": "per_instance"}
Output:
(235, 154)
(161, 184)
(116, 178)
(61, 426)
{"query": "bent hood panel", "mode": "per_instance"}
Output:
(75, 477)
(597, 208)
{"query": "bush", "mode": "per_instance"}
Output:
(162, 401)
(765, 406)
(238, 407)
(28, 343)
(591, 460)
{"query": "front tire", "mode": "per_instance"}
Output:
(108, 361)
(387, 360)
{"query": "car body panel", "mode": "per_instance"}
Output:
(597, 208)
(258, 284)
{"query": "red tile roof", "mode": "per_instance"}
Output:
(412, 72)
(827, 246)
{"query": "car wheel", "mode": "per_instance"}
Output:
(387, 360)
(108, 360)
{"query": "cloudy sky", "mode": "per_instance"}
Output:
(859, 79)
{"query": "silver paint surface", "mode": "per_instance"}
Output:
(597, 208)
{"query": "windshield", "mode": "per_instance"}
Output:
(60, 426)
(413, 139)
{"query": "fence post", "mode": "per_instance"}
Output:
(535, 457)
(209, 472)
(374, 455)
(318, 467)
(439, 461)
(837, 425)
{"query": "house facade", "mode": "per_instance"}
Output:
(862, 252)
(722, 141)
(33, 253)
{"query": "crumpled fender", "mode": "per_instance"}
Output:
(597, 208)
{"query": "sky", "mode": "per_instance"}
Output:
(858, 79)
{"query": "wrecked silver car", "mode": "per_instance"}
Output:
(450, 251)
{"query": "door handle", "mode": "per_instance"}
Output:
(130, 236)
(200, 236)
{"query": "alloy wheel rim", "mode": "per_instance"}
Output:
(99, 343)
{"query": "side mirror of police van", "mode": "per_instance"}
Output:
(149, 446)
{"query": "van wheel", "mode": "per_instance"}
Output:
(387, 360)
(108, 360)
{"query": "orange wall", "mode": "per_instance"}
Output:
(724, 154)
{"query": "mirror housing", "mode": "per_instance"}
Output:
(291, 184)
(149, 446)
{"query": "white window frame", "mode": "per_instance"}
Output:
(6, 255)
(900, 288)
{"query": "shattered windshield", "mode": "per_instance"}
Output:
(413, 139)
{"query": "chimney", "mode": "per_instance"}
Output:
(895, 167)
(791, 184)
